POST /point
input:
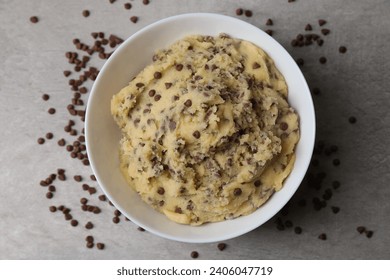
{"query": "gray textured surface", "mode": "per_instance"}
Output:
(356, 83)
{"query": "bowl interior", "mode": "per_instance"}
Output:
(103, 135)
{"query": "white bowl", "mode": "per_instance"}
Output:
(102, 134)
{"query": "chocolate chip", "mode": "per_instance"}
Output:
(239, 11)
(93, 178)
(139, 85)
(134, 19)
(140, 229)
(335, 209)
(221, 246)
(74, 223)
(325, 31)
(34, 19)
(157, 97)
(194, 254)
(168, 85)
(51, 111)
(127, 6)
(67, 73)
(361, 229)
(283, 126)
(257, 183)
(68, 217)
(61, 142)
(342, 49)
(308, 27)
(269, 32)
(49, 135)
(352, 120)
(45, 97)
(49, 195)
(172, 125)
(89, 225)
(52, 188)
(248, 13)
(116, 220)
(179, 67)
(53, 209)
(322, 60)
(369, 233)
(100, 246)
(145, 2)
(188, 103)
(92, 190)
(89, 238)
(269, 22)
(83, 200)
(300, 61)
(320, 42)
(160, 191)
(41, 140)
(196, 134)
(90, 245)
(321, 22)
(322, 236)
(256, 65)
(86, 13)
(178, 210)
(237, 191)
(157, 75)
(298, 230)
(152, 92)
(102, 197)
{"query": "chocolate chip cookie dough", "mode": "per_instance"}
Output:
(207, 132)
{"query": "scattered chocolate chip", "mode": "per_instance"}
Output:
(298, 230)
(86, 13)
(34, 19)
(89, 238)
(157, 75)
(89, 225)
(325, 31)
(269, 32)
(115, 220)
(322, 236)
(237, 191)
(77, 178)
(361, 229)
(83, 200)
(52, 188)
(321, 22)
(41, 140)
(49, 135)
(127, 6)
(248, 13)
(188, 103)
(308, 27)
(196, 134)
(239, 11)
(90, 245)
(369, 233)
(322, 60)
(74, 223)
(320, 42)
(283, 126)
(221, 246)
(51, 111)
(102, 197)
(290, 1)
(335, 209)
(269, 22)
(53, 209)
(194, 254)
(134, 19)
(342, 49)
(157, 97)
(100, 246)
(45, 97)
(49, 195)
(61, 142)
(352, 120)
(168, 85)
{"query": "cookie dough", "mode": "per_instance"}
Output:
(207, 132)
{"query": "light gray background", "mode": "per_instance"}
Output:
(356, 83)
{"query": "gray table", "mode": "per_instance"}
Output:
(351, 84)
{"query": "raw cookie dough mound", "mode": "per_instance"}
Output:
(208, 134)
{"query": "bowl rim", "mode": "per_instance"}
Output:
(225, 236)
